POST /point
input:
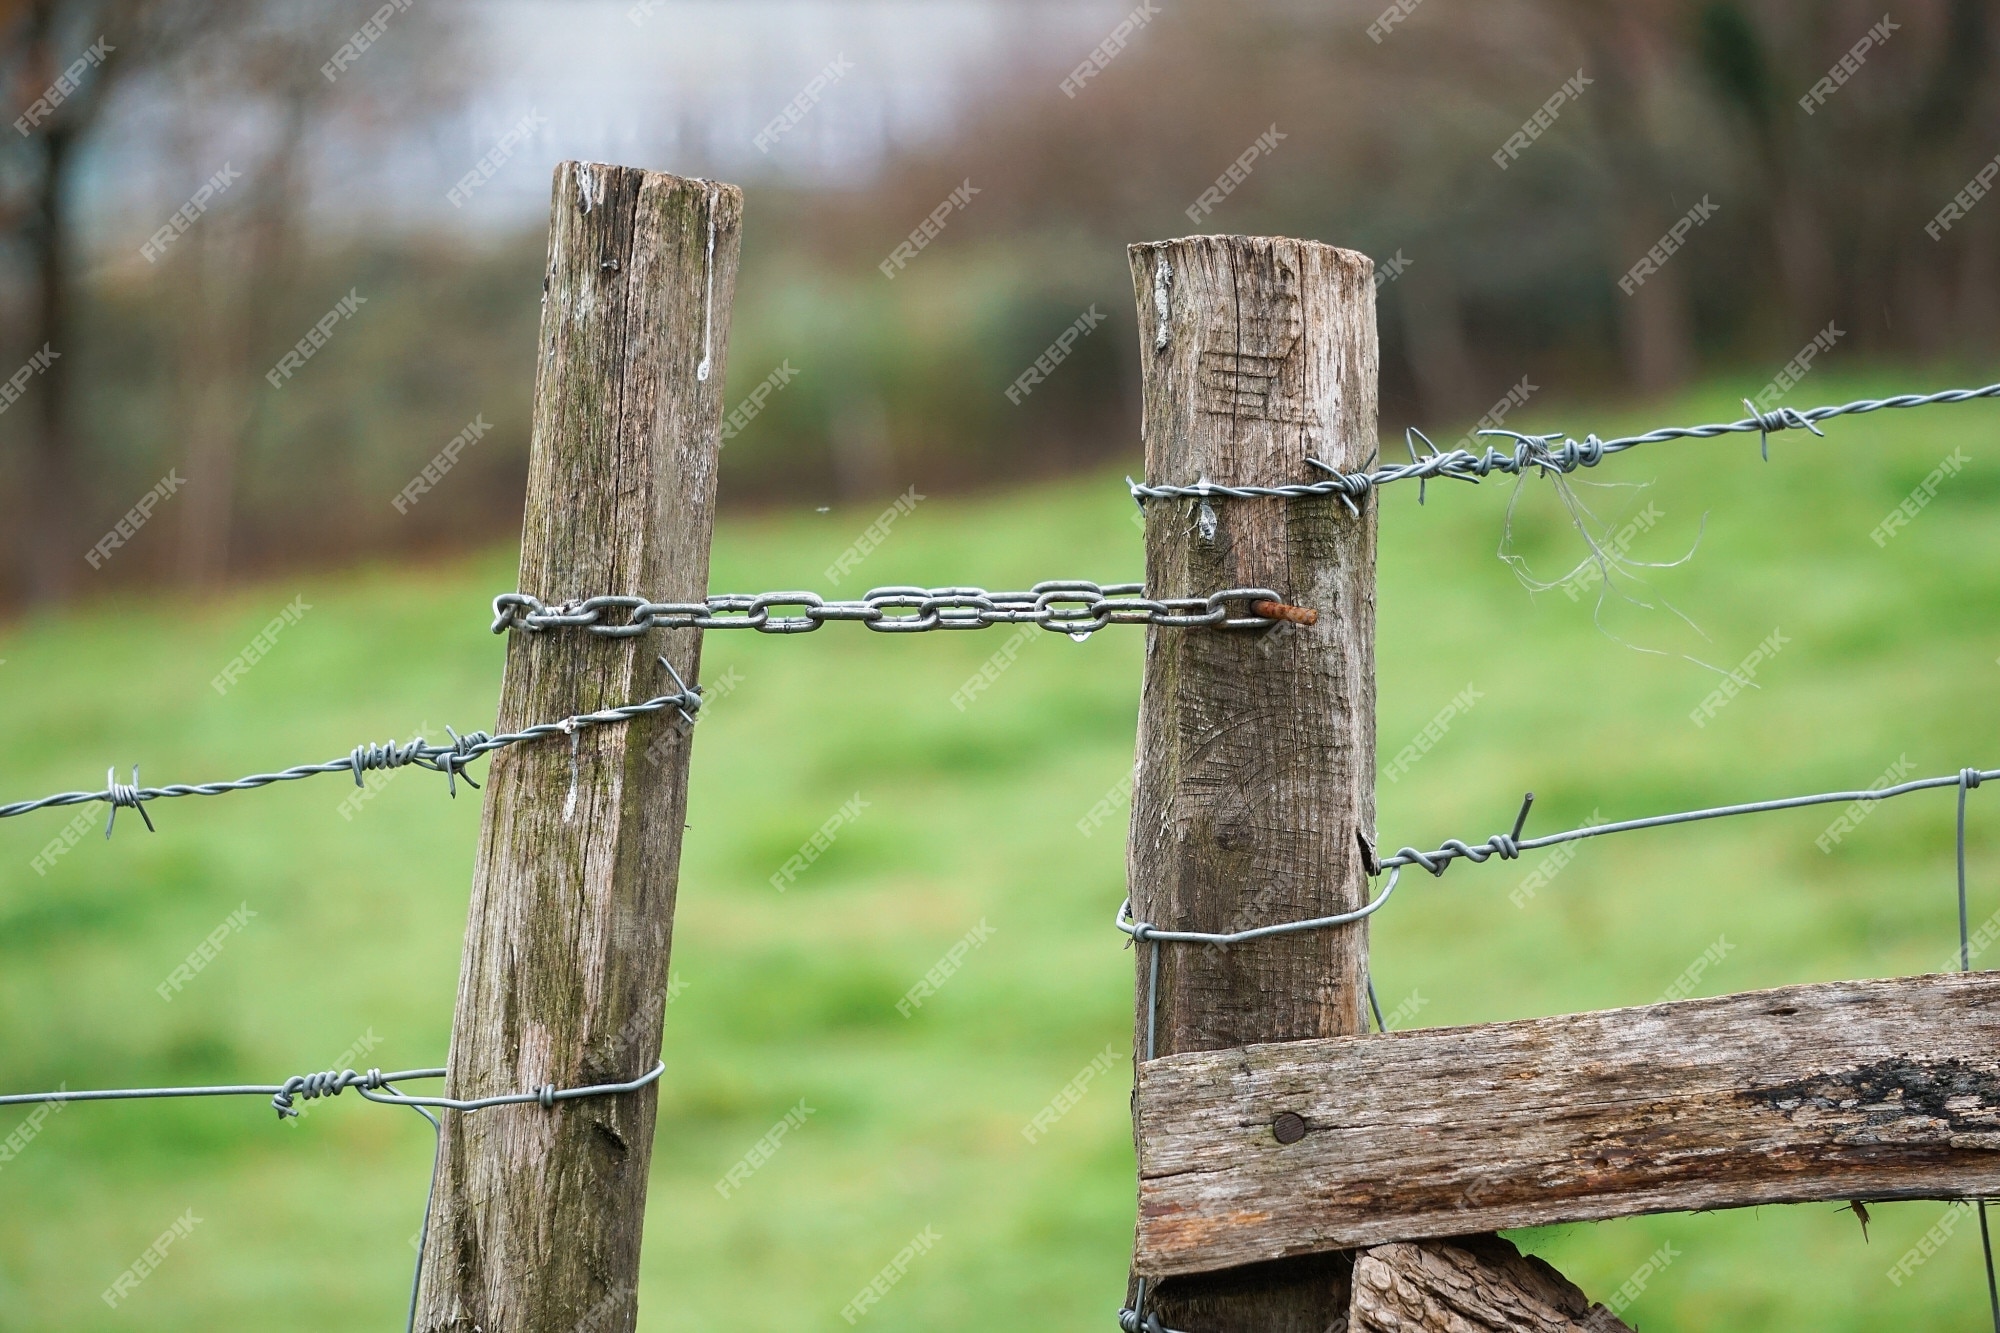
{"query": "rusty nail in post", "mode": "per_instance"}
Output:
(1289, 1127)
(1297, 615)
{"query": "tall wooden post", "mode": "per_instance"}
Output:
(1256, 769)
(537, 1214)
(1255, 789)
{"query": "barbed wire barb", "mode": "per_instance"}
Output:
(120, 794)
(692, 692)
(1779, 418)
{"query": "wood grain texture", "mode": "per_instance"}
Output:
(1256, 751)
(1841, 1090)
(1479, 1284)
(536, 1220)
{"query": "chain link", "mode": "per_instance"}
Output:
(1074, 607)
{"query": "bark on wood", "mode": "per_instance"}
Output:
(537, 1216)
(1842, 1090)
(1256, 751)
(1479, 1284)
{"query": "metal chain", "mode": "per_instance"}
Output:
(1074, 607)
(1555, 453)
(449, 760)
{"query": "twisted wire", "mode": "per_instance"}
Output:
(1075, 607)
(1508, 846)
(1133, 1318)
(374, 1085)
(1968, 779)
(1140, 930)
(1552, 454)
(1131, 1321)
(450, 760)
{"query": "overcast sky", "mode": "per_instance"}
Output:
(677, 85)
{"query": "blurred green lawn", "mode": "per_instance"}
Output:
(973, 815)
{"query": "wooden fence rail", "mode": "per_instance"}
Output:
(1840, 1090)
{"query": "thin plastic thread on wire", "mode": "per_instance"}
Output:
(449, 760)
(1549, 454)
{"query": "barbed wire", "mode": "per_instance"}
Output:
(449, 760)
(331, 1083)
(1551, 454)
(1508, 846)
(1076, 607)
(375, 1086)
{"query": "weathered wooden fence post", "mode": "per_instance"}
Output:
(1255, 790)
(1256, 772)
(537, 1214)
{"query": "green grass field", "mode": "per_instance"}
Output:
(1889, 653)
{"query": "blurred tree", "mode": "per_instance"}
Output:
(1629, 46)
(1739, 63)
(235, 268)
(62, 58)
(1386, 143)
(225, 82)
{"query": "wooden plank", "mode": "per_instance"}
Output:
(1474, 1283)
(536, 1218)
(1256, 751)
(1842, 1090)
